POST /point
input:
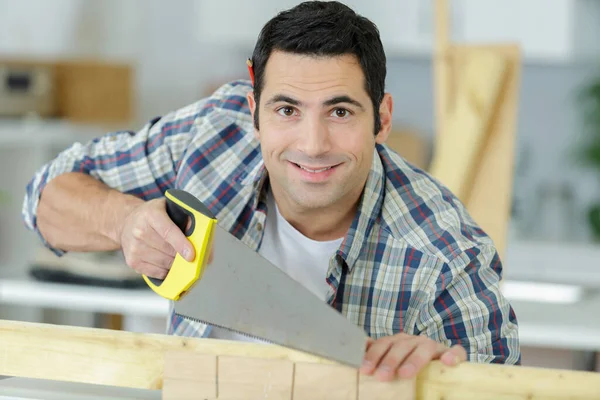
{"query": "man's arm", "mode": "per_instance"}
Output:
(77, 212)
(77, 201)
(470, 310)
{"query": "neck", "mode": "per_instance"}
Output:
(320, 224)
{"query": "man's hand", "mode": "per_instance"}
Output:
(150, 240)
(405, 355)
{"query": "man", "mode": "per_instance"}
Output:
(296, 167)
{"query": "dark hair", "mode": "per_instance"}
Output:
(323, 28)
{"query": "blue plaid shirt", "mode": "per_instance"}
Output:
(413, 260)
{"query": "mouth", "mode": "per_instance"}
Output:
(314, 169)
(315, 173)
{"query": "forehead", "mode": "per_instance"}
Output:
(306, 75)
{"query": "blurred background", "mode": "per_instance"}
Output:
(71, 70)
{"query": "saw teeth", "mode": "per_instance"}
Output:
(250, 336)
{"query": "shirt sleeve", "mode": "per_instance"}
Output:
(469, 309)
(142, 163)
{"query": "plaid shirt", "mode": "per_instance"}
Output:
(413, 260)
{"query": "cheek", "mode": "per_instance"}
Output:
(273, 142)
(355, 142)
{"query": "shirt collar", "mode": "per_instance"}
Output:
(369, 209)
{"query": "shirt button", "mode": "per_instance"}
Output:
(259, 227)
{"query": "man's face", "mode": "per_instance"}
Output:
(316, 129)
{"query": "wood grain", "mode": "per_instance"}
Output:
(254, 378)
(324, 382)
(189, 376)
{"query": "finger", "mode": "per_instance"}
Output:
(151, 238)
(395, 357)
(419, 357)
(151, 271)
(155, 257)
(171, 233)
(453, 356)
(375, 352)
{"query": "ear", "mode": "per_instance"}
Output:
(252, 105)
(385, 114)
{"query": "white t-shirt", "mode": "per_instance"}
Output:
(302, 258)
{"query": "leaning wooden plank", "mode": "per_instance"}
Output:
(458, 150)
(490, 198)
(441, 67)
(137, 360)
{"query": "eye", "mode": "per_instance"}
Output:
(340, 113)
(286, 111)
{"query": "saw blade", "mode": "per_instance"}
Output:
(243, 292)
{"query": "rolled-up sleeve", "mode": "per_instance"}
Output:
(469, 309)
(142, 163)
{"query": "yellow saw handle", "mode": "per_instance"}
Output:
(184, 274)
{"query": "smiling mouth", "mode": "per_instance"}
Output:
(314, 170)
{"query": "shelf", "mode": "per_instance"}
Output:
(553, 262)
(16, 133)
(134, 302)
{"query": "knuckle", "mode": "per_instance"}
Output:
(420, 358)
(138, 232)
(166, 232)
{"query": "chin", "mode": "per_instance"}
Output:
(314, 200)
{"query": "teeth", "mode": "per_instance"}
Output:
(314, 171)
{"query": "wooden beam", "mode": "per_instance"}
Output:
(459, 150)
(138, 360)
(441, 66)
(490, 197)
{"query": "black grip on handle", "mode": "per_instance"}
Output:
(179, 216)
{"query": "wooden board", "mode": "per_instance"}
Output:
(139, 360)
(490, 197)
(458, 152)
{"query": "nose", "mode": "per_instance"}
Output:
(315, 140)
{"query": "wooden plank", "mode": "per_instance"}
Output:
(129, 359)
(324, 382)
(254, 378)
(441, 66)
(458, 151)
(490, 197)
(110, 357)
(472, 381)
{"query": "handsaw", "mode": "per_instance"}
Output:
(243, 292)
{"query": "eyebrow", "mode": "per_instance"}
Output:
(330, 102)
(343, 99)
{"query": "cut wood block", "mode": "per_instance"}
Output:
(325, 382)
(189, 376)
(369, 388)
(254, 378)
